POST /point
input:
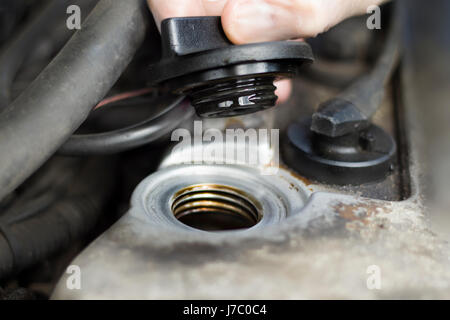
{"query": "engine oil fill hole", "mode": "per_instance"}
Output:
(213, 207)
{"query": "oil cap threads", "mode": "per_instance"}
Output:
(220, 78)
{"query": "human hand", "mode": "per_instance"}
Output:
(246, 21)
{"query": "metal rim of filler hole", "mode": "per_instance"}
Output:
(272, 198)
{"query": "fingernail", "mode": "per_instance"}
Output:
(258, 21)
(214, 7)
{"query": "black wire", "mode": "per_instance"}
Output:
(133, 136)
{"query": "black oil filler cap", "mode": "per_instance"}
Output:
(220, 78)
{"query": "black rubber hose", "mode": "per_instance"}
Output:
(43, 117)
(17, 50)
(26, 239)
(11, 11)
(131, 137)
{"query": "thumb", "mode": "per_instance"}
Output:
(247, 21)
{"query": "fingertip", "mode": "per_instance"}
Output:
(249, 21)
(284, 89)
(230, 22)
